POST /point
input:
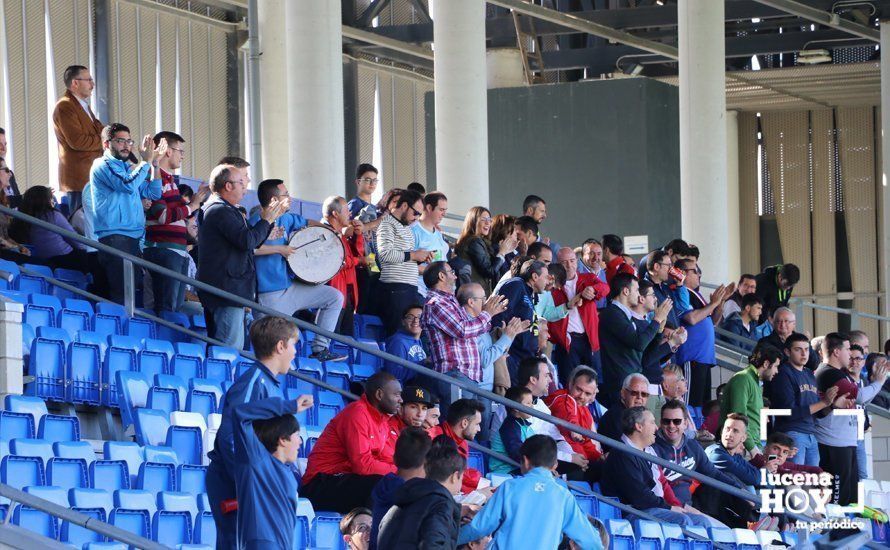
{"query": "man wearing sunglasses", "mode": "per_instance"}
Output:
(634, 393)
(672, 444)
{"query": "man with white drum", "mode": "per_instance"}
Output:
(277, 285)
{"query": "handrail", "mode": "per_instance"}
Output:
(77, 518)
(374, 350)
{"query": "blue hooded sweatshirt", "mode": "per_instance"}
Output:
(117, 194)
(690, 455)
(401, 344)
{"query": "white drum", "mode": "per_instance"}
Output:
(319, 254)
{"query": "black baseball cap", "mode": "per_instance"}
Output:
(416, 394)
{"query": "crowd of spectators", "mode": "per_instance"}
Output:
(613, 345)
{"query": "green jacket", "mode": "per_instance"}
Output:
(744, 395)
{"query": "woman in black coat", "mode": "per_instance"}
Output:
(475, 247)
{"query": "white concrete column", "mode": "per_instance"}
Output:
(273, 90)
(703, 185)
(316, 135)
(733, 216)
(461, 103)
(885, 168)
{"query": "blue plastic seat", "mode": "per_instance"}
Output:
(16, 425)
(133, 388)
(140, 328)
(171, 528)
(177, 501)
(34, 283)
(191, 478)
(74, 449)
(169, 334)
(54, 333)
(649, 534)
(91, 498)
(163, 399)
(137, 522)
(10, 278)
(476, 459)
(34, 406)
(84, 373)
(201, 402)
(366, 358)
(337, 374)
(311, 367)
(190, 349)
(218, 369)
(329, 405)
(212, 386)
(157, 476)
(187, 441)
(370, 327)
(703, 543)
(93, 337)
(76, 315)
(607, 511)
(39, 448)
(76, 278)
(42, 310)
(326, 530)
(223, 352)
(136, 499)
(746, 539)
(205, 529)
(40, 522)
(46, 364)
(22, 471)
(174, 382)
(121, 356)
(109, 318)
(129, 452)
(109, 475)
(674, 539)
(621, 533)
(81, 537)
(28, 336)
(67, 472)
(151, 426)
(155, 358)
(161, 454)
(723, 536)
(54, 427)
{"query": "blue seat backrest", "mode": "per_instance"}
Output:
(81, 537)
(109, 475)
(78, 278)
(54, 333)
(172, 528)
(137, 522)
(128, 451)
(22, 471)
(84, 373)
(189, 348)
(187, 441)
(173, 382)
(140, 328)
(132, 393)
(91, 498)
(326, 530)
(222, 352)
(163, 399)
(91, 337)
(154, 477)
(54, 427)
(74, 449)
(32, 447)
(176, 501)
(161, 453)
(34, 406)
(108, 308)
(201, 402)
(191, 479)
(9, 281)
(14, 425)
(28, 336)
(151, 426)
(67, 472)
(135, 499)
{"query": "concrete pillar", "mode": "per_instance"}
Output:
(273, 90)
(885, 168)
(315, 131)
(504, 68)
(703, 185)
(733, 215)
(11, 365)
(461, 103)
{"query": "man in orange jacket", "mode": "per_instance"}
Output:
(349, 457)
(462, 424)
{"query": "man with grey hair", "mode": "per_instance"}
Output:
(859, 338)
(335, 214)
(784, 323)
(634, 393)
(638, 482)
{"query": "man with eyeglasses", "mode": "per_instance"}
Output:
(634, 393)
(166, 225)
(868, 390)
(79, 133)
(398, 257)
(117, 190)
(405, 343)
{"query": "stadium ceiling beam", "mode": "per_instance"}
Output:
(586, 26)
(371, 12)
(824, 18)
(224, 25)
(388, 43)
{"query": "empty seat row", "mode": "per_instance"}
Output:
(25, 283)
(169, 518)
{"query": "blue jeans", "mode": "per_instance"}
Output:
(684, 519)
(168, 293)
(114, 265)
(862, 460)
(807, 449)
(228, 326)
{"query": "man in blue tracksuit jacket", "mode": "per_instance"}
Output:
(274, 342)
(117, 190)
(267, 440)
(535, 499)
(522, 295)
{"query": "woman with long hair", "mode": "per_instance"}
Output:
(9, 248)
(475, 247)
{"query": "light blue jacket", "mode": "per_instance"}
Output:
(532, 511)
(116, 197)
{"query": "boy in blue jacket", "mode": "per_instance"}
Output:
(405, 343)
(514, 430)
(535, 499)
(267, 439)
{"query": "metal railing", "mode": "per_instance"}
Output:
(375, 351)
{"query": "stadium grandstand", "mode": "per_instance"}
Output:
(458, 274)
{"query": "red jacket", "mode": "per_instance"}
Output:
(471, 475)
(562, 405)
(618, 265)
(396, 425)
(587, 311)
(352, 443)
(354, 248)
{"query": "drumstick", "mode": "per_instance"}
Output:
(315, 240)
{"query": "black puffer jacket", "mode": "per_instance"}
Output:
(424, 517)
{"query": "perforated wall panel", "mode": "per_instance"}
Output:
(824, 189)
(748, 181)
